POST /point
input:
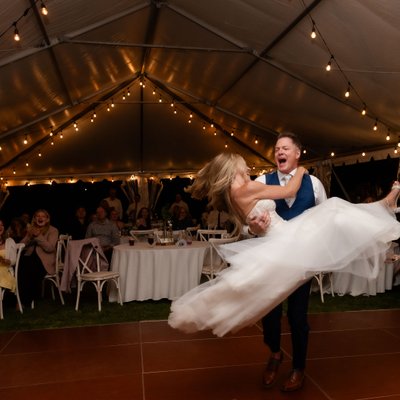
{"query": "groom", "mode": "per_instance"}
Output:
(311, 192)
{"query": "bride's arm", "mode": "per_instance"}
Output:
(259, 190)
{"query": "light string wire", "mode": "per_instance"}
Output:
(365, 111)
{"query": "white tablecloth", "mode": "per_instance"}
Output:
(157, 272)
(345, 283)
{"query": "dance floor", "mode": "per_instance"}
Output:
(352, 355)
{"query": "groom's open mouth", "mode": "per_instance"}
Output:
(282, 161)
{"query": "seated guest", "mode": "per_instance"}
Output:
(218, 219)
(143, 220)
(17, 229)
(79, 224)
(178, 203)
(132, 210)
(8, 256)
(105, 230)
(39, 256)
(115, 220)
(182, 221)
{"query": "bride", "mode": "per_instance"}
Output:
(335, 235)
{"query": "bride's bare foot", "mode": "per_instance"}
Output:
(391, 198)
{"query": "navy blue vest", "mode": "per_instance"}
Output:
(305, 197)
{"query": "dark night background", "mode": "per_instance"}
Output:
(360, 180)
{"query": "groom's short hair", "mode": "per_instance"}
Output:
(295, 139)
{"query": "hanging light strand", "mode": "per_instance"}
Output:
(350, 89)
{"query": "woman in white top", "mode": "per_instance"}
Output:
(8, 256)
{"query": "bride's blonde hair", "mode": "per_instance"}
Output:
(214, 182)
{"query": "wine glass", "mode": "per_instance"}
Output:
(150, 240)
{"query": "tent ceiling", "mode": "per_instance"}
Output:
(247, 66)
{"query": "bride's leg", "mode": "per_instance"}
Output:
(391, 198)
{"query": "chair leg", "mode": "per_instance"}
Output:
(99, 288)
(119, 291)
(21, 310)
(61, 296)
(78, 294)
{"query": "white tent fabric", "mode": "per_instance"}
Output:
(247, 67)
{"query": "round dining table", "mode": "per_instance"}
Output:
(157, 272)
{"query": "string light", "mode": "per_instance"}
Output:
(364, 110)
(123, 96)
(128, 93)
(112, 103)
(39, 154)
(17, 38)
(26, 139)
(27, 164)
(329, 65)
(43, 8)
(375, 128)
(332, 154)
(61, 136)
(313, 33)
(363, 154)
(347, 94)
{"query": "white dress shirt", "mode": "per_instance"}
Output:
(318, 187)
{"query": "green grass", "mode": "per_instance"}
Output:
(51, 314)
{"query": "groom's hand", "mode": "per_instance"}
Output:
(258, 225)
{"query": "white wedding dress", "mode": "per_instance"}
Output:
(335, 235)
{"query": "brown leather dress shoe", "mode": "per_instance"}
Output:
(271, 371)
(294, 381)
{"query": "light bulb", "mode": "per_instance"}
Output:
(375, 128)
(347, 94)
(17, 38)
(329, 65)
(364, 110)
(313, 33)
(363, 154)
(387, 137)
(332, 154)
(43, 8)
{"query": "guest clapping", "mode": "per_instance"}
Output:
(39, 257)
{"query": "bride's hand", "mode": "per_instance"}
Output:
(258, 224)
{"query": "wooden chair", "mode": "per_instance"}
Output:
(216, 263)
(55, 279)
(84, 273)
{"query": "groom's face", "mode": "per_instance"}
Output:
(287, 155)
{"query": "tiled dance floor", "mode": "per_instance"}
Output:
(352, 355)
